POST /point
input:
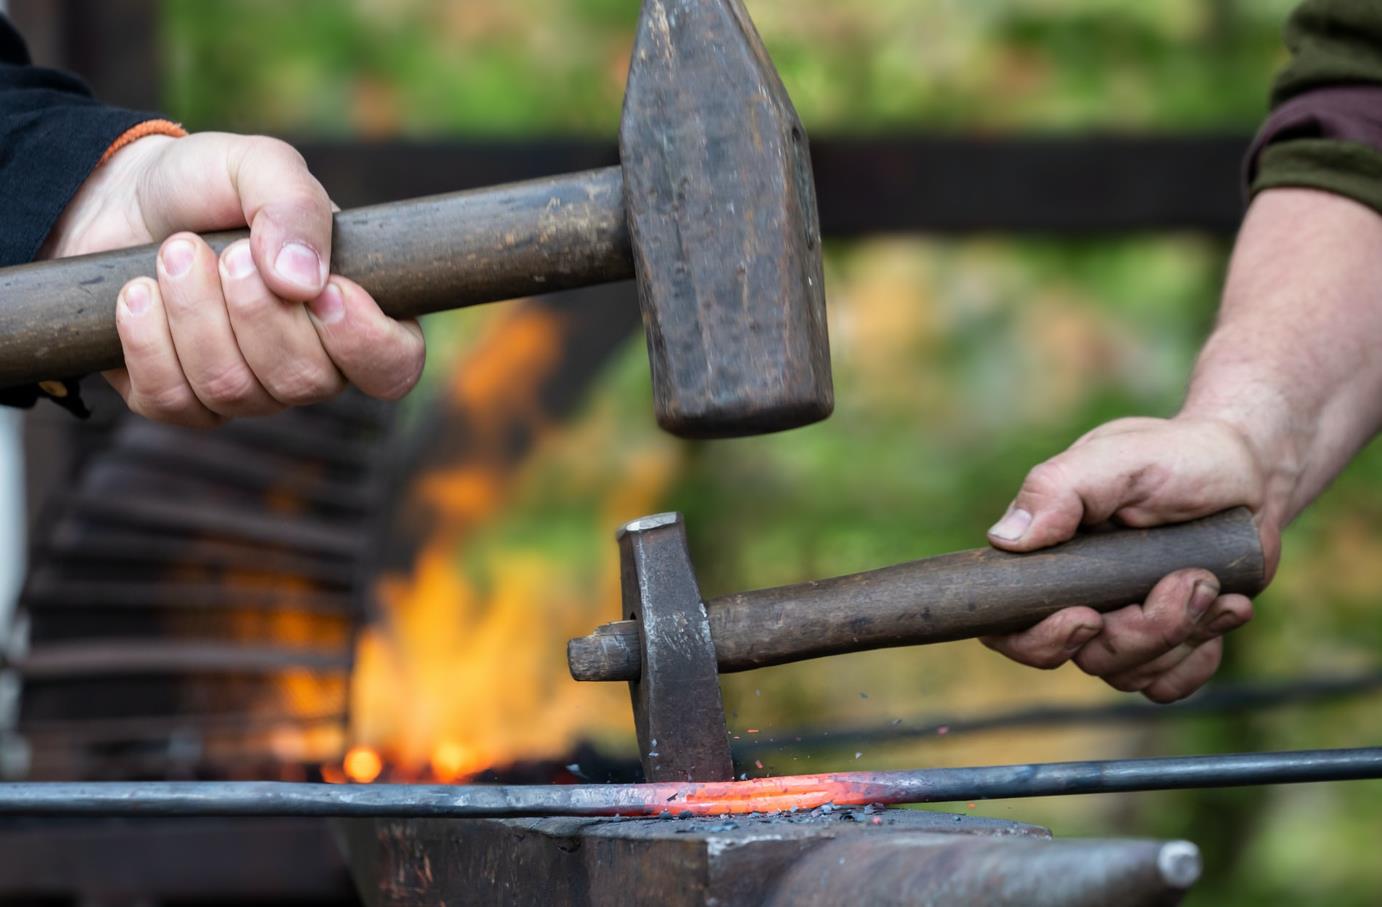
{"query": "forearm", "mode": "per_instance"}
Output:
(1294, 364)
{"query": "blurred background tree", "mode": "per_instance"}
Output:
(960, 363)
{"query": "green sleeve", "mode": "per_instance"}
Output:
(1333, 43)
(1343, 168)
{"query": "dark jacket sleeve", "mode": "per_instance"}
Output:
(1325, 129)
(52, 135)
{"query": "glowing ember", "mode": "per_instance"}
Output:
(362, 764)
(453, 762)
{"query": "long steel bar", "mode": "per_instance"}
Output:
(267, 798)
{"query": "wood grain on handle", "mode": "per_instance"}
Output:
(954, 596)
(57, 318)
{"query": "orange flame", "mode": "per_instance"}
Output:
(468, 669)
(453, 762)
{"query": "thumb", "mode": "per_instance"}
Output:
(1048, 508)
(212, 181)
(1118, 469)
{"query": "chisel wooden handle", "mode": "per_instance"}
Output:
(57, 318)
(954, 596)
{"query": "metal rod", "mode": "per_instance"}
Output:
(237, 523)
(267, 798)
(86, 546)
(139, 657)
(57, 593)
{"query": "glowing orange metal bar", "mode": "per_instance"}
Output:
(267, 798)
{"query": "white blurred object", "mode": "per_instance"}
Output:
(12, 530)
(14, 753)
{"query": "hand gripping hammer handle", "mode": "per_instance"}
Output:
(57, 318)
(954, 596)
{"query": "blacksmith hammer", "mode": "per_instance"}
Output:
(672, 646)
(713, 210)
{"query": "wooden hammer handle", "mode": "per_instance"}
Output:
(57, 318)
(954, 596)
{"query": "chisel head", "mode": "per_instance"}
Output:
(678, 713)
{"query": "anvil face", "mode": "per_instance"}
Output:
(730, 862)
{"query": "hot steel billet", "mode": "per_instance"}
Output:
(270, 798)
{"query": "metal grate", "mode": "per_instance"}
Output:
(193, 599)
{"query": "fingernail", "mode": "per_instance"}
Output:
(1080, 637)
(1202, 597)
(137, 298)
(300, 264)
(177, 258)
(239, 261)
(1012, 526)
(329, 307)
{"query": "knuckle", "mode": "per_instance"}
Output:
(1171, 633)
(1088, 662)
(1143, 479)
(1045, 478)
(1046, 660)
(177, 405)
(299, 206)
(178, 305)
(1127, 684)
(304, 384)
(1105, 649)
(232, 386)
(245, 303)
(139, 345)
(1166, 691)
(297, 189)
(1033, 657)
(266, 146)
(368, 340)
(168, 399)
(404, 378)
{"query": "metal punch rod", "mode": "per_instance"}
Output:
(268, 798)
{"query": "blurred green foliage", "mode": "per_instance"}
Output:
(959, 363)
(428, 66)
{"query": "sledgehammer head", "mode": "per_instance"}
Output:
(722, 214)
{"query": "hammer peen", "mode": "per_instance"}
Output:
(674, 645)
(713, 210)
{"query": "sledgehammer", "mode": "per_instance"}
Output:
(713, 210)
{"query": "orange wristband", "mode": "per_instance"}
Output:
(142, 130)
